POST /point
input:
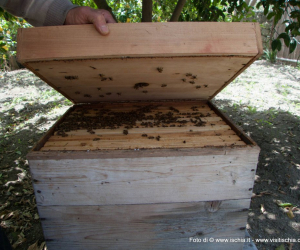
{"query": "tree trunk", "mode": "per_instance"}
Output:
(177, 11)
(147, 11)
(102, 4)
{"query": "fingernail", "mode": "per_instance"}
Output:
(104, 29)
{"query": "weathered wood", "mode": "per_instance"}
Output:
(113, 80)
(137, 40)
(148, 226)
(143, 180)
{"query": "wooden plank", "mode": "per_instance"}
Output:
(181, 178)
(148, 226)
(137, 40)
(88, 81)
(145, 143)
(116, 154)
(234, 127)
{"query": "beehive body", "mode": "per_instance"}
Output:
(151, 164)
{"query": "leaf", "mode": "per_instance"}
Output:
(290, 214)
(281, 247)
(292, 47)
(286, 38)
(34, 246)
(276, 45)
(18, 152)
(270, 15)
(285, 205)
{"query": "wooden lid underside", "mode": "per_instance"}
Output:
(132, 79)
(138, 62)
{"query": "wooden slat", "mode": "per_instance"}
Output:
(137, 40)
(147, 179)
(148, 226)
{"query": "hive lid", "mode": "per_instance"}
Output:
(140, 61)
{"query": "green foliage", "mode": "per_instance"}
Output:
(9, 25)
(270, 55)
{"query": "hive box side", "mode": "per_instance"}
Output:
(145, 226)
(138, 40)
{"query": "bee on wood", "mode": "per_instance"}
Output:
(140, 85)
(119, 93)
(125, 132)
(144, 135)
(183, 79)
(184, 141)
(83, 144)
(194, 77)
(96, 139)
(198, 87)
(158, 138)
(92, 67)
(103, 79)
(99, 88)
(188, 74)
(101, 75)
(192, 82)
(108, 93)
(77, 93)
(164, 85)
(110, 78)
(151, 137)
(87, 95)
(71, 77)
(160, 69)
(205, 86)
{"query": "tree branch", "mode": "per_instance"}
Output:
(102, 4)
(147, 11)
(177, 11)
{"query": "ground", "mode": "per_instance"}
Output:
(264, 101)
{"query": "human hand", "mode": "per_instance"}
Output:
(85, 15)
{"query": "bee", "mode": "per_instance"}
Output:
(160, 69)
(71, 77)
(77, 93)
(99, 88)
(205, 86)
(184, 141)
(164, 85)
(194, 77)
(140, 85)
(188, 74)
(83, 144)
(198, 87)
(92, 67)
(101, 75)
(108, 93)
(151, 137)
(183, 79)
(87, 95)
(110, 78)
(158, 138)
(119, 93)
(125, 132)
(144, 135)
(103, 79)
(192, 82)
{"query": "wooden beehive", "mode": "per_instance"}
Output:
(143, 160)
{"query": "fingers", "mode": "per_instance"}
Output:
(84, 15)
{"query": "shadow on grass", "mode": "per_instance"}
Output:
(277, 133)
